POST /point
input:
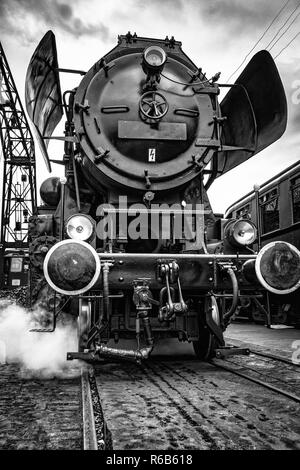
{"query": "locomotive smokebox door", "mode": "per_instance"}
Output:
(133, 119)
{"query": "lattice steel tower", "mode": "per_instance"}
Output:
(19, 179)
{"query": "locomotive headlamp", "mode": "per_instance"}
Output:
(241, 232)
(80, 227)
(154, 58)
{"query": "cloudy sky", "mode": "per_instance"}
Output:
(216, 34)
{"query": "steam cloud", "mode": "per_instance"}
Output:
(41, 355)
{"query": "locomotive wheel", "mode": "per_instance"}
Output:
(83, 324)
(205, 346)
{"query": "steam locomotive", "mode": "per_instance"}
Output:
(127, 241)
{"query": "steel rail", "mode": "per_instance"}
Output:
(268, 355)
(89, 429)
(274, 357)
(257, 381)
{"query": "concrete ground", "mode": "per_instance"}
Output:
(279, 338)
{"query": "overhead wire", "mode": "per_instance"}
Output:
(258, 41)
(287, 45)
(283, 34)
(278, 31)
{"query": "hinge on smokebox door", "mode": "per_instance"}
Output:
(147, 178)
(218, 146)
(199, 165)
(216, 143)
(101, 155)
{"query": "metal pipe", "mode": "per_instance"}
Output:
(235, 296)
(80, 72)
(269, 318)
(76, 184)
(147, 328)
(241, 296)
(104, 318)
(256, 188)
(131, 354)
(264, 311)
(63, 182)
(173, 256)
(136, 355)
(105, 271)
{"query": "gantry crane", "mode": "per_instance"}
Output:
(18, 174)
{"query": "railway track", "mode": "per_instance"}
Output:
(165, 404)
(273, 356)
(279, 381)
(96, 435)
(90, 441)
(182, 404)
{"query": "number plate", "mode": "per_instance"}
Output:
(139, 130)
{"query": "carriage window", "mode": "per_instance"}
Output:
(269, 211)
(16, 265)
(296, 199)
(244, 212)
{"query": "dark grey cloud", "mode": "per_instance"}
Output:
(54, 14)
(244, 16)
(65, 10)
(242, 12)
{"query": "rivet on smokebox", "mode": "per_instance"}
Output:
(121, 262)
(121, 279)
(210, 279)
